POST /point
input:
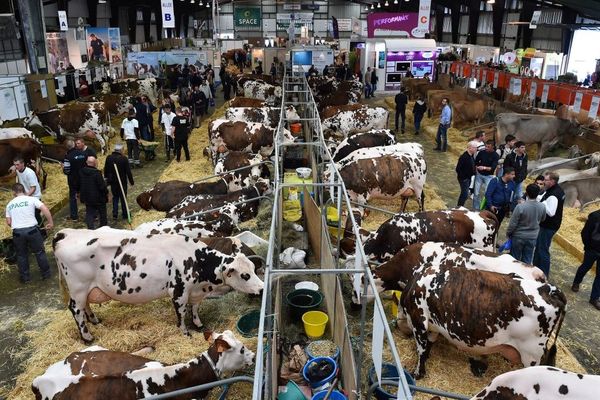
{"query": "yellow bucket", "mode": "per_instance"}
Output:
(394, 302)
(315, 323)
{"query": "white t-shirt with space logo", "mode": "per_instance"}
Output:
(21, 210)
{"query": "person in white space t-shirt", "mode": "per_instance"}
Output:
(130, 131)
(166, 120)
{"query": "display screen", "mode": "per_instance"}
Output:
(394, 78)
(420, 68)
(302, 58)
(402, 66)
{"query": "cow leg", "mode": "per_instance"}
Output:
(478, 365)
(78, 311)
(423, 349)
(90, 316)
(179, 297)
(196, 317)
(403, 204)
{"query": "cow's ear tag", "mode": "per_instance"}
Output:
(222, 345)
(208, 335)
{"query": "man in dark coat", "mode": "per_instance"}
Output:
(518, 160)
(401, 100)
(73, 163)
(465, 170)
(122, 164)
(418, 112)
(181, 131)
(590, 235)
(143, 113)
(93, 193)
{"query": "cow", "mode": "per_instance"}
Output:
(193, 205)
(29, 149)
(165, 195)
(133, 87)
(243, 178)
(544, 130)
(474, 229)
(241, 79)
(497, 313)
(373, 173)
(263, 91)
(115, 103)
(395, 273)
(221, 225)
(54, 151)
(74, 118)
(468, 111)
(372, 138)
(246, 102)
(15, 133)
(434, 100)
(268, 116)
(334, 110)
(96, 373)
(136, 268)
(424, 87)
(541, 382)
(581, 192)
(353, 85)
(361, 120)
(337, 99)
(323, 85)
(251, 137)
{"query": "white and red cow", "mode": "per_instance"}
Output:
(253, 165)
(541, 382)
(482, 312)
(251, 137)
(15, 133)
(268, 116)
(222, 225)
(96, 373)
(361, 140)
(133, 87)
(134, 268)
(474, 229)
(384, 172)
(263, 91)
(346, 122)
(75, 118)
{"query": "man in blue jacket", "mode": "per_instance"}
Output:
(441, 140)
(499, 193)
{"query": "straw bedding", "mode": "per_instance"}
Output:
(573, 222)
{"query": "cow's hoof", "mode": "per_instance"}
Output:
(418, 375)
(88, 341)
(198, 328)
(355, 306)
(96, 321)
(478, 367)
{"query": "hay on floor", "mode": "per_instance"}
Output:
(573, 222)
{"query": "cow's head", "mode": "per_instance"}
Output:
(32, 120)
(105, 88)
(291, 113)
(238, 272)
(264, 187)
(144, 199)
(233, 355)
(288, 138)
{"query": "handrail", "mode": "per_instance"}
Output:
(198, 388)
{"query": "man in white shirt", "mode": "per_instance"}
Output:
(20, 216)
(166, 120)
(130, 131)
(29, 180)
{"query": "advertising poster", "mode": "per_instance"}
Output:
(144, 64)
(98, 44)
(594, 107)
(58, 52)
(577, 103)
(545, 91)
(532, 91)
(114, 38)
(392, 24)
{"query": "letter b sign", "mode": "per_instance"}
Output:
(168, 17)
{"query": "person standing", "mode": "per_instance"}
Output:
(401, 101)
(465, 169)
(524, 225)
(122, 163)
(485, 165)
(81, 146)
(180, 133)
(590, 236)
(273, 71)
(517, 159)
(441, 140)
(418, 112)
(93, 193)
(368, 83)
(130, 132)
(503, 151)
(27, 177)
(374, 80)
(166, 120)
(499, 194)
(73, 163)
(20, 216)
(143, 114)
(96, 49)
(553, 199)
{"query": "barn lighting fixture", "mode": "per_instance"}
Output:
(366, 8)
(208, 4)
(192, 1)
(386, 3)
(101, 1)
(491, 1)
(372, 6)
(378, 5)
(395, 1)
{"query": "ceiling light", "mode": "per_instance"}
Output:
(101, 1)
(378, 5)
(367, 7)
(491, 1)
(207, 4)
(395, 1)
(372, 6)
(192, 1)
(386, 3)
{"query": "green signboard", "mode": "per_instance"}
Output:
(247, 17)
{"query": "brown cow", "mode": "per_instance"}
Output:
(246, 102)
(165, 195)
(467, 111)
(334, 110)
(29, 149)
(243, 78)
(337, 99)
(54, 151)
(434, 99)
(425, 87)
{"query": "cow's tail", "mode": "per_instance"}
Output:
(488, 215)
(559, 300)
(64, 290)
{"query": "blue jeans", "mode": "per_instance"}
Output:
(72, 202)
(116, 198)
(464, 191)
(441, 139)
(518, 194)
(541, 256)
(589, 258)
(522, 249)
(26, 239)
(481, 183)
(367, 90)
(418, 118)
(145, 132)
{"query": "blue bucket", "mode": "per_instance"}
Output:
(388, 371)
(335, 395)
(324, 383)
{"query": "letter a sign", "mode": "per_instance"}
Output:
(168, 13)
(62, 20)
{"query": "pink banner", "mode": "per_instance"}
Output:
(392, 24)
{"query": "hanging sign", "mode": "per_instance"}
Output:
(545, 91)
(532, 91)
(517, 87)
(594, 107)
(424, 13)
(62, 20)
(577, 103)
(43, 89)
(168, 13)
(496, 78)
(247, 17)
(535, 19)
